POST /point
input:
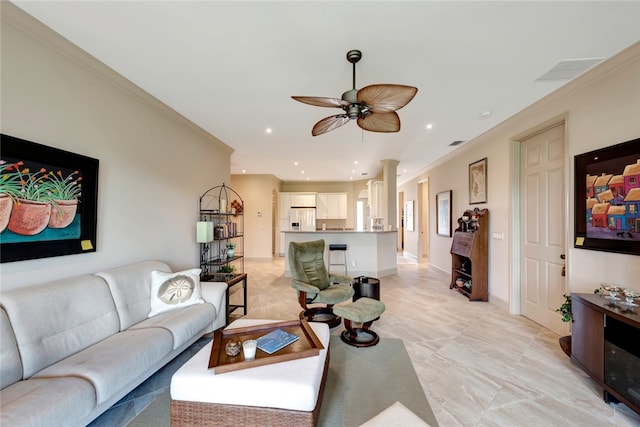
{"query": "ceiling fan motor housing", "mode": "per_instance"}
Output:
(353, 109)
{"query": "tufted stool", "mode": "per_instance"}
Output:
(363, 310)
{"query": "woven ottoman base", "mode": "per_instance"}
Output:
(214, 414)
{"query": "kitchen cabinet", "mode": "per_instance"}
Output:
(301, 200)
(374, 189)
(284, 203)
(331, 206)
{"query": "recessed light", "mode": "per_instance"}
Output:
(355, 162)
(302, 172)
(404, 171)
(308, 178)
(429, 126)
(268, 130)
(244, 171)
(486, 113)
(295, 163)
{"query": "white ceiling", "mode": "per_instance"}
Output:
(232, 66)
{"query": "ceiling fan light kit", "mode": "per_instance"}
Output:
(373, 107)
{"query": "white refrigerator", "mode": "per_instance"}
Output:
(302, 219)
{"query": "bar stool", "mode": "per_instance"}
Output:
(341, 247)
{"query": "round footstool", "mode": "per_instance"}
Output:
(364, 311)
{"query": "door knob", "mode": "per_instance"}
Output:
(562, 256)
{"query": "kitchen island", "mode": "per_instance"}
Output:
(370, 253)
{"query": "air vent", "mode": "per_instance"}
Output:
(569, 69)
(454, 143)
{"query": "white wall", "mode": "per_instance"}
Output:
(601, 108)
(154, 164)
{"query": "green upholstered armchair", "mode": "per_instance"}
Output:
(314, 284)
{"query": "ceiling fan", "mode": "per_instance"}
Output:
(373, 106)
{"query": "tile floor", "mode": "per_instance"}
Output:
(478, 365)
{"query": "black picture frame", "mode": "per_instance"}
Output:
(444, 206)
(607, 199)
(35, 164)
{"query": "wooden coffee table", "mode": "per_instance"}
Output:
(286, 393)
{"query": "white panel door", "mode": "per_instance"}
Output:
(542, 233)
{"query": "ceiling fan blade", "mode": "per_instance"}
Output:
(319, 101)
(329, 123)
(385, 98)
(380, 122)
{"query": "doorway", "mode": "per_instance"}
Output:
(542, 226)
(423, 218)
(400, 242)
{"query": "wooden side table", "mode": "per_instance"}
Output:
(366, 287)
(240, 278)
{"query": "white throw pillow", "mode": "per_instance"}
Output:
(171, 291)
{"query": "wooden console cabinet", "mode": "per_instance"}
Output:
(470, 254)
(605, 343)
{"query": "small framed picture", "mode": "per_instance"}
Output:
(409, 215)
(443, 213)
(478, 182)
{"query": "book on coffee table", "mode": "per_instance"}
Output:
(275, 340)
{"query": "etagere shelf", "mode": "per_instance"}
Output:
(469, 255)
(222, 258)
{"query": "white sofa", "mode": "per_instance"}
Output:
(71, 348)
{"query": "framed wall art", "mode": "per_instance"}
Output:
(409, 215)
(443, 213)
(48, 201)
(607, 199)
(478, 182)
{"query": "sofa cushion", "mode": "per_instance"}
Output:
(131, 289)
(57, 319)
(183, 324)
(172, 291)
(116, 362)
(47, 402)
(11, 366)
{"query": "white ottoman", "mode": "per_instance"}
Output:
(286, 393)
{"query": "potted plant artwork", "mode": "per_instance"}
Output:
(9, 191)
(32, 209)
(63, 192)
(567, 316)
(31, 201)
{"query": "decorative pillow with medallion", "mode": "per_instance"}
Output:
(171, 291)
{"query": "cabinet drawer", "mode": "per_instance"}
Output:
(462, 244)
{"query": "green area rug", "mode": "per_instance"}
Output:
(361, 383)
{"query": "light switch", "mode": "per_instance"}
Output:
(498, 236)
